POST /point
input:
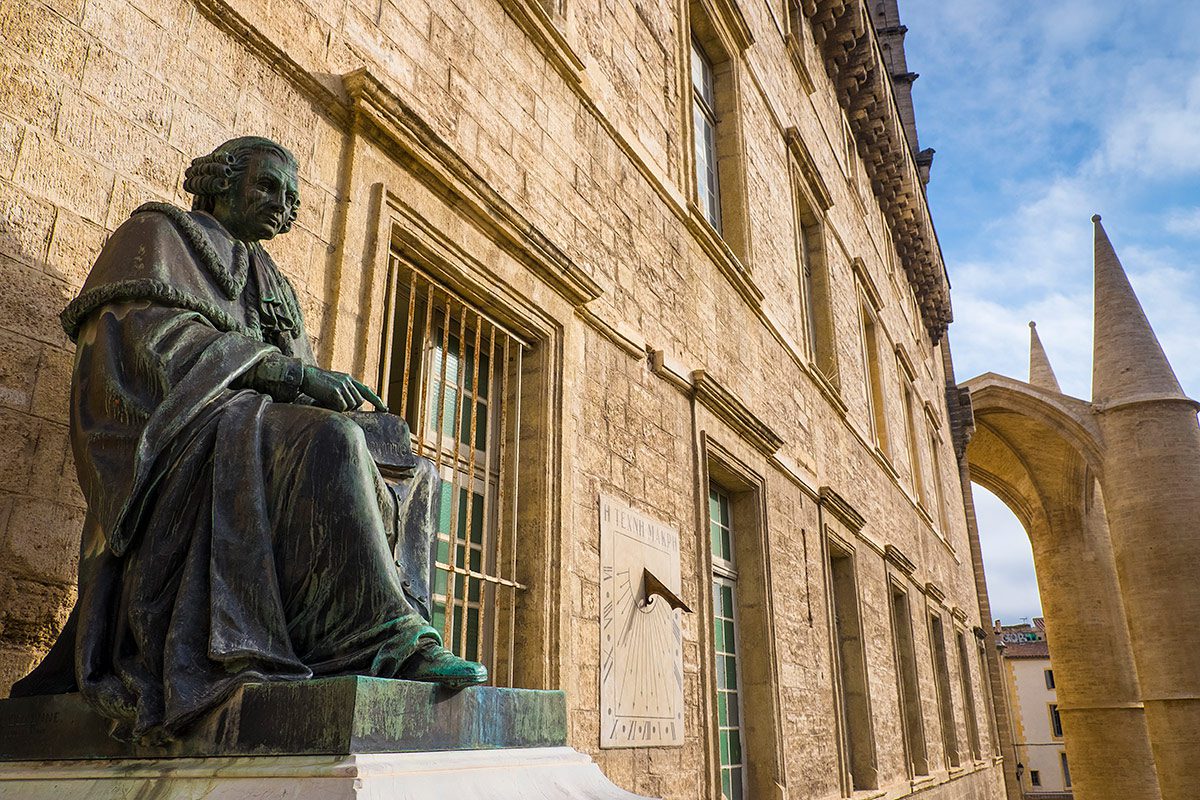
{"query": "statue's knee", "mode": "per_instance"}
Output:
(340, 433)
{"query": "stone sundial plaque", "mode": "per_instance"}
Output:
(641, 639)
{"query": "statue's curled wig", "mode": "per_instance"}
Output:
(217, 173)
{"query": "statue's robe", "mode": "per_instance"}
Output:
(229, 537)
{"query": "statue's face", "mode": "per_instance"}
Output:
(262, 201)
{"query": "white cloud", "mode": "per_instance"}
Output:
(1154, 132)
(1183, 222)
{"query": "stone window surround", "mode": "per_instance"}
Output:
(716, 27)
(945, 696)
(912, 724)
(873, 383)
(970, 709)
(758, 668)
(402, 230)
(810, 203)
(856, 736)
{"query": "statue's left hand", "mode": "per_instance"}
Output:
(337, 391)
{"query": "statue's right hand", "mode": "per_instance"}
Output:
(336, 391)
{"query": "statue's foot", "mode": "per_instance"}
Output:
(433, 663)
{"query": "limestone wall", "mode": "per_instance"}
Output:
(553, 153)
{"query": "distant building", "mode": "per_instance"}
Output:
(1037, 732)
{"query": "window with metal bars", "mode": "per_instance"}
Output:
(454, 374)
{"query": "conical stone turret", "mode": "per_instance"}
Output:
(1041, 374)
(1127, 361)
(1151, 487)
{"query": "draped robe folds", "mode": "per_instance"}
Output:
(229, 537)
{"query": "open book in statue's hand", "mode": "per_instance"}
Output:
(388, 439)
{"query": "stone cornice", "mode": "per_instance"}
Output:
(726, 406)
(840, 507)
(385, 114)
(910, 371)
(868, 286)
(855, 65)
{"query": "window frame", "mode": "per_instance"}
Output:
(912, 717)
(707, 192)
(531, 638)
(857, 745)
(870, 335)
(719, 32)
(942, 683)
(758, 695)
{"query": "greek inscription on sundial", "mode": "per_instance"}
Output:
(641, 639)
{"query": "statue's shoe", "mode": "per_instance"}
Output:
(433, 663)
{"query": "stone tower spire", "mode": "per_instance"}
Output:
(1151, 484)
(1127, 360)
(1041, 374)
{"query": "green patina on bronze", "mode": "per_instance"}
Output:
(239, 529)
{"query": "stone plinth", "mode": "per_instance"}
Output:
(348, 737)
(331, 716)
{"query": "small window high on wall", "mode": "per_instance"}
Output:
(454, 374)
(873, 378)
(704, 133)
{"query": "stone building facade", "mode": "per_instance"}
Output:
(674, 252)
(1031, 695)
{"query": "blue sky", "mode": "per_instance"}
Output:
(1043, 113)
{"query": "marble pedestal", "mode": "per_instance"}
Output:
(349, 737)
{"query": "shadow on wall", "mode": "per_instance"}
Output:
(45, 253)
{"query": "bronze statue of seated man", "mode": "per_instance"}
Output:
(238, 528)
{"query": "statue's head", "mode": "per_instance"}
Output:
(249, 184)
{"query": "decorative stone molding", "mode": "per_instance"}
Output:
(837, 505)
(670, 370)
(870, 290)
(895, 556)
(796, 473)
(221, 14)
(962, 418)
(906, 363)
(733, 412)
(432, 160)
(854, 63)
(729, 16)
(727, 262)
(959, 614)
(808, 169)
(932, 415)
(935, 592)
(533, 18)
(616, 333)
